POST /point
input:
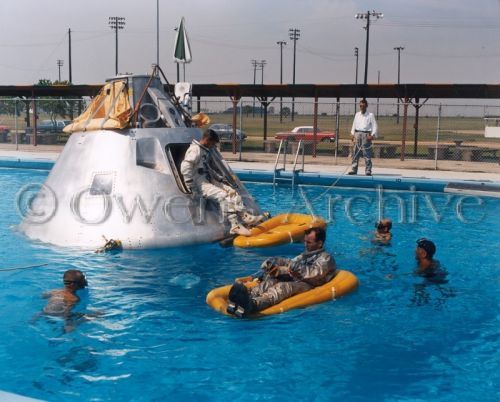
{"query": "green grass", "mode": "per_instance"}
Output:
(451, 127)
(388, 129)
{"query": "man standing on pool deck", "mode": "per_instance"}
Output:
(285, 277)
(364, 130)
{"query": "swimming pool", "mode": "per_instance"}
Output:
(396, 338)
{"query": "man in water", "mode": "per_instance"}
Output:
(283, 277)
(61, 301)
(200, 178)
(428, 267)
(383, 233)
(364, 130)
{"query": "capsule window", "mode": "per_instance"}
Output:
(175, 155)
(149, 154)
(102, 183)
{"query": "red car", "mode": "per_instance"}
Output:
(306, 133)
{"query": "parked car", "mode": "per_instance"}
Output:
(225, 132)
(306, 133)
(48, 126)
(4, 131)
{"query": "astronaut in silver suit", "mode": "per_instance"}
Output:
(201, 179)
(283, 277)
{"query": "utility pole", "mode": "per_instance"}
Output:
(367, 15)
(281, 43)
(356, 54)
(60, 63)
(69, 56)
(262, 64)
(157, 32)
(254, 64)
(378, 82)
(398, 49)
(116, 23)
(294, 34)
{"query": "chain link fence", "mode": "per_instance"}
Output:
(17, 119)
(432, 132)
(427, 131)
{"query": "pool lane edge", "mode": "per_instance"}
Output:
(387, 181)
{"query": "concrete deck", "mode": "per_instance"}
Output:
(412, 168)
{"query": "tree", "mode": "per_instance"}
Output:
(286, 112)
(8, 106)
(56, 106)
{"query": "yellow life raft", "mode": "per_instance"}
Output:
(343, 283)
(281, 229)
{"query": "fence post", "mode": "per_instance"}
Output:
(405, 122)
(315, 125)
(241, 126)
(35, 125)
(337, 128)
(235, 101)
(437, 138)
(15, 125)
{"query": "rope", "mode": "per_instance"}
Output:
(26, 267)
(342, 175)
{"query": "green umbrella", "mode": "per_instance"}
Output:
(182, 50)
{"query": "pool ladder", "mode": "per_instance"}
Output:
(282, 150)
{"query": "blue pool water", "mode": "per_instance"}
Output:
(396, 339)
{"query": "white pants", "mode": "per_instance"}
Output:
(230, 204)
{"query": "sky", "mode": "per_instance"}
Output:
(444, 41)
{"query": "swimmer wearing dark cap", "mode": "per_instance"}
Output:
(428, 267)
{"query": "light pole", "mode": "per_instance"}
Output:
(262, 64)
(367, 16)
(60, 63)
(398, 49)
(281, 43)
(294, 34)
(356, 54)
(70, 73)
(116, 23)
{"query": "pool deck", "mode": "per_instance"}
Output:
(256, 161)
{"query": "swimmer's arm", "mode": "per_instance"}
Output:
(48, 295)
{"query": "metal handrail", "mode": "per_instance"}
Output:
(300, 148)
(283, 144)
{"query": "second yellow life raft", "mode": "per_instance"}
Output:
(343, 283)
(281, 229)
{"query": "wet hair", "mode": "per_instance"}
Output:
(384, 223)
(210, 135)
(428, 246)
(319, 233)
(79, 277)
(364, 101)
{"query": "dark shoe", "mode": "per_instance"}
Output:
(368, 173)
(351, 173)
(239, 298)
